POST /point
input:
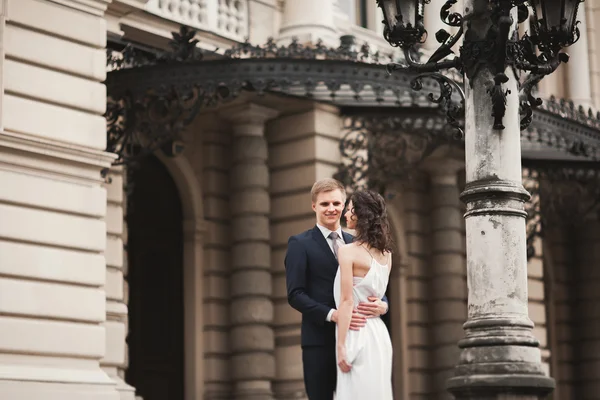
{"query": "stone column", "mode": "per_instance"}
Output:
(303, 148)
(53, 206)
(500, 357)
(416, 211)
(116, 310)
(447, 286)
(251, 314)
(214, 167)
(309, 20)
(579, 87)
(398, 292)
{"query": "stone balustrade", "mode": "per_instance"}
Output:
(227, 18)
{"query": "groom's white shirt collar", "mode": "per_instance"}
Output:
(326, 232)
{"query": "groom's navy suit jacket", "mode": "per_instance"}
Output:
(310, 268)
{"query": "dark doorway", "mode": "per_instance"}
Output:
(155, 277)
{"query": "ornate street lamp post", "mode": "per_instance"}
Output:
(500, 358)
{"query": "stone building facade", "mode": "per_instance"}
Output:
(167, 281)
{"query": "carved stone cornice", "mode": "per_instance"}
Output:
(122, 7)
(96, 7)
(563, 126)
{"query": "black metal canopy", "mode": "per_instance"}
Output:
(153, 95)
(389, 127)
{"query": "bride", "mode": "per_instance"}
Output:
(364, 356)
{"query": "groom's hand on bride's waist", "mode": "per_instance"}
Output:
(358, 320)
(373, 308)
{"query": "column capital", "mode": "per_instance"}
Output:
(248, 119)
(443, 170)
(248, 113)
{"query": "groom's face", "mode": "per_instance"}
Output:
(328, 207)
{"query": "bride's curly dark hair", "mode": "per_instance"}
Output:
(372, 225)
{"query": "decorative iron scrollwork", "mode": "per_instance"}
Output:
(563, 193)
(379, 150)
(142, 119)
(154, 94)
(538, 54)
(454, 111)
(347, 51)
(139, 125)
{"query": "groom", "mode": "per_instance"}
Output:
(311, 265)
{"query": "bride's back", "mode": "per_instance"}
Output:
(362, 257)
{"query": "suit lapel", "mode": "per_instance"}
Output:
(320, 239)
(348, 238)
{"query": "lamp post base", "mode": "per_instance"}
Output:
(500, 356)
(501, 387)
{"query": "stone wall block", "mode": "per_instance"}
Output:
(446, 218)
(447, 241)
(445, 195)
(447, 332)
(450, 264)
(252, 338)
(418, 358)
(450, 310)
(249, 148)
(439, 380)
(250, 228)
(246, 176)
(252, 366)
(418, 311)
(250, 283)
(251, 310)
(215, 156)
(215, 183)
(253, 254)
(445, 287)
(255, 201)
(591, 331)
(591, 350)
(216, 287)
(588, 289)
(285, 315)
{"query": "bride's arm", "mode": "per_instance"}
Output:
(346, 304)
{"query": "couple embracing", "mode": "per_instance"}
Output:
(338, 283)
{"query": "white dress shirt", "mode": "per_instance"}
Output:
(340, 240)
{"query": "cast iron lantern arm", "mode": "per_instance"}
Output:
(430, 66)
(498, 50)
(447, 41)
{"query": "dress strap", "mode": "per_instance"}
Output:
(364, 247)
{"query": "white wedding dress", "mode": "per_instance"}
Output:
(369, 350)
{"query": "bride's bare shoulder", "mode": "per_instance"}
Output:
(350, 249)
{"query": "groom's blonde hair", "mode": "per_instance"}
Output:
(326, 185)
